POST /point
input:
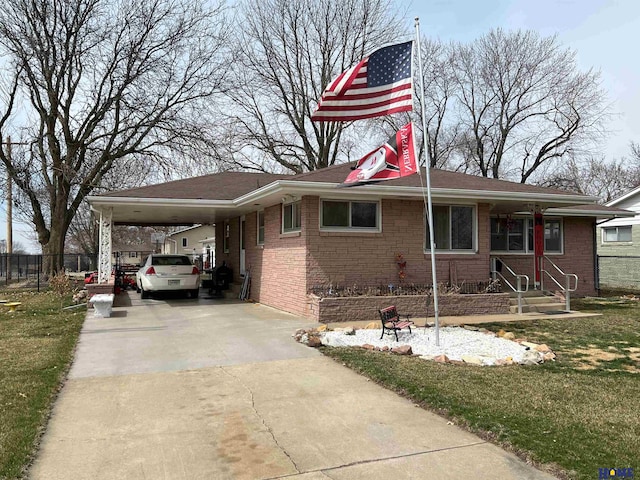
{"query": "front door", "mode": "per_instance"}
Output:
(242, 250)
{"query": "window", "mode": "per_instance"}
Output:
(508, 235)
(617, 234)
(185, 242)
(261, 227)
(291, 217)
(453, 227)
(133, 254)
(337, 214)
(226, 237)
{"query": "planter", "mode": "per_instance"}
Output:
(364, 308)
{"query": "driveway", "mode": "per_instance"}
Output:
(214, 389)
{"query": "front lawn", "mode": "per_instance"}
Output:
(36, 347)
(573, 416)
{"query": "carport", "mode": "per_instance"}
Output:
(207, 200)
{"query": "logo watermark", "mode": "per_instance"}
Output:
(604, 473)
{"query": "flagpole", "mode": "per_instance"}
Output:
(428, 176)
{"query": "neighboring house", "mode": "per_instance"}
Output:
(296, 232)
(130, 256)
(619, 245)
(196, 240)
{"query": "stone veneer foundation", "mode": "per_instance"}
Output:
(352, 309)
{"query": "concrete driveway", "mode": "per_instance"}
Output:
(213, 389)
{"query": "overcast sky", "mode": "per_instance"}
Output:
(604, 33)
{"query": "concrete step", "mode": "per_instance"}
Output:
(538, 307)
(535, 300)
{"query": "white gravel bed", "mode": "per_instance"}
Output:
(454, 343)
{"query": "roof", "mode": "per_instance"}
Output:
(216, 186)
(231, 185)
(439, 179)
(187, 229)
(593, 210)
(211, 198)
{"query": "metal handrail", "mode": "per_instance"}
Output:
(566, 288)
(519, 277)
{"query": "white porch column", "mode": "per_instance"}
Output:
(104, 248)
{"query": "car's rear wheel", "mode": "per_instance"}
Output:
(194, 293)
(144, 293)
(137, 288)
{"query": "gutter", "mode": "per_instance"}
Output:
(305, 188)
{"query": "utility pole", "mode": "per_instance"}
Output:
(9, 250)
(9, 211)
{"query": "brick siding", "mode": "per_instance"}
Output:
(285, 268)
(346, 258)
(352, 309)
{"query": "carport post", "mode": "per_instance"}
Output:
(104, 245)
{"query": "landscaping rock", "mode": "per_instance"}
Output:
(427, 357)
(549, 356)
(402, 350)
(368, 346)
(543, 348)
(321, 328)
(314, 342)
(529, 345)
(470, 328)
(373, 326)
(509, 336)
(471, 359)
(385, 349)
(349, 331)
(441, 359)
(531, 357)
(500, 333)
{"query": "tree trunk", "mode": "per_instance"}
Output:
(53, 251)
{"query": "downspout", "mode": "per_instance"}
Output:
(596, 270)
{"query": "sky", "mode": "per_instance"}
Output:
(604, 34)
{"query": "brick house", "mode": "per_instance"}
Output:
(295, 232)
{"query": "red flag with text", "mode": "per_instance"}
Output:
(394, 159)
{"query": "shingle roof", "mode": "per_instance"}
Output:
(217, 186)
(231, 185)
(439, 179)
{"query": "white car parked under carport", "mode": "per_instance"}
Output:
(168, 273)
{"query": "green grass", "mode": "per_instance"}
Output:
(36, 347)
(572, 416)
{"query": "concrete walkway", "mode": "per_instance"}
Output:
(211, 389)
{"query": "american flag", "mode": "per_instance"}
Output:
(379, 85)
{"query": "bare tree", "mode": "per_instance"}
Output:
(288, 53)
(596, 176)
(523, 103)
(97, 84)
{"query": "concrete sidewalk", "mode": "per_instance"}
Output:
(155, 408)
